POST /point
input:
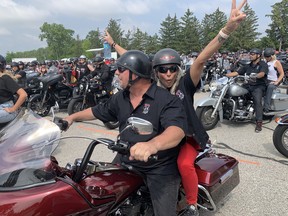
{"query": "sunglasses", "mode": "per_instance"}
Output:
(121, 69)
(252, 53)
(164, 69)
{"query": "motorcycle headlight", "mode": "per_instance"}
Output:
(213, 86)
(41, 85)
(81, 86)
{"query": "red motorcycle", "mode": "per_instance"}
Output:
(32, 182)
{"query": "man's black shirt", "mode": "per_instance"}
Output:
(261, 66)
(160, 108)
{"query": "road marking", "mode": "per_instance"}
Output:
(97, 130)
(249, 162)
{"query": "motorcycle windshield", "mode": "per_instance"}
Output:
(26, 144)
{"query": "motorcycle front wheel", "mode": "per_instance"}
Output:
(76, 105)
(204, 114)
(35, 104)
(280, 139)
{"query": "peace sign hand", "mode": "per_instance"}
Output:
(236, 17)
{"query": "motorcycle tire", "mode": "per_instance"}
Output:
(76, 105)
(204, 114)
(35, 105)
(280, 139)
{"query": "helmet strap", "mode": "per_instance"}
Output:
(131, 82)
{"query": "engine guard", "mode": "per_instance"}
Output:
(218, 175)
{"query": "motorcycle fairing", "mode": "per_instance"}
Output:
(51, 199)
(25, 148)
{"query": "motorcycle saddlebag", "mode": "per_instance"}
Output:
(279, 101)
(218, 174)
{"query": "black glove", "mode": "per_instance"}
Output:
(253, 77)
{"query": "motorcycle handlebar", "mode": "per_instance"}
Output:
(62, 124)
(124, 148)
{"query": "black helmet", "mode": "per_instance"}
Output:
(137, 62)
(256, 51)
(113, 67)
(268, 52)
(2, 63)
(98, 59)
(32, 64)
(14, 64)
(20, 63)
(194, 54)
(166, 56)
(224, 52)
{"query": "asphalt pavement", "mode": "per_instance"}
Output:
(263, 188)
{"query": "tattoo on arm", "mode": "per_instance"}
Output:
(221, 39)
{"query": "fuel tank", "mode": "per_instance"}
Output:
(237, 90)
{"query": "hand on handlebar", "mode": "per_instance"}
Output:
(143, 151)
(253, 77)
(61, 123)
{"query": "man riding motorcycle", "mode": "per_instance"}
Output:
(257, 70)
(101, 71)
(141, 97)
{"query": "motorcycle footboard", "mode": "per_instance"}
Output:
(218, 175)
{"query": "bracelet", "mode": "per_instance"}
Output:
(223, 35)
(113, 44)
(225, 31)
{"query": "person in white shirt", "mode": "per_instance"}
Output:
(274, 77)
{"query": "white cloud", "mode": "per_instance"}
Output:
(4, 31)
(12, 13)
(22, 19)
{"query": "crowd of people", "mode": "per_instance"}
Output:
(162, 92)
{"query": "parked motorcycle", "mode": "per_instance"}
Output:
(52, 92)
(33, 183)
(280, 135)
(89, 93)
(229, 100)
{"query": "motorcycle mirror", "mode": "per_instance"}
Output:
(141, 126)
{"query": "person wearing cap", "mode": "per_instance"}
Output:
(8, 88)
(223, 62)
(141, 97)
(257, 70)
(82, 68)
(274, 80)
(19, 74)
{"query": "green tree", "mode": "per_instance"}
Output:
(211, 25)
(190, 33)
(94, 37)
(58, 38)
(246, 35)
(114, 29)
(152, 44)
(278, 31)
(169, 33)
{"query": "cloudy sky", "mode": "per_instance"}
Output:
(20, 20)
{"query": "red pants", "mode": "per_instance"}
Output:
(186, 159)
